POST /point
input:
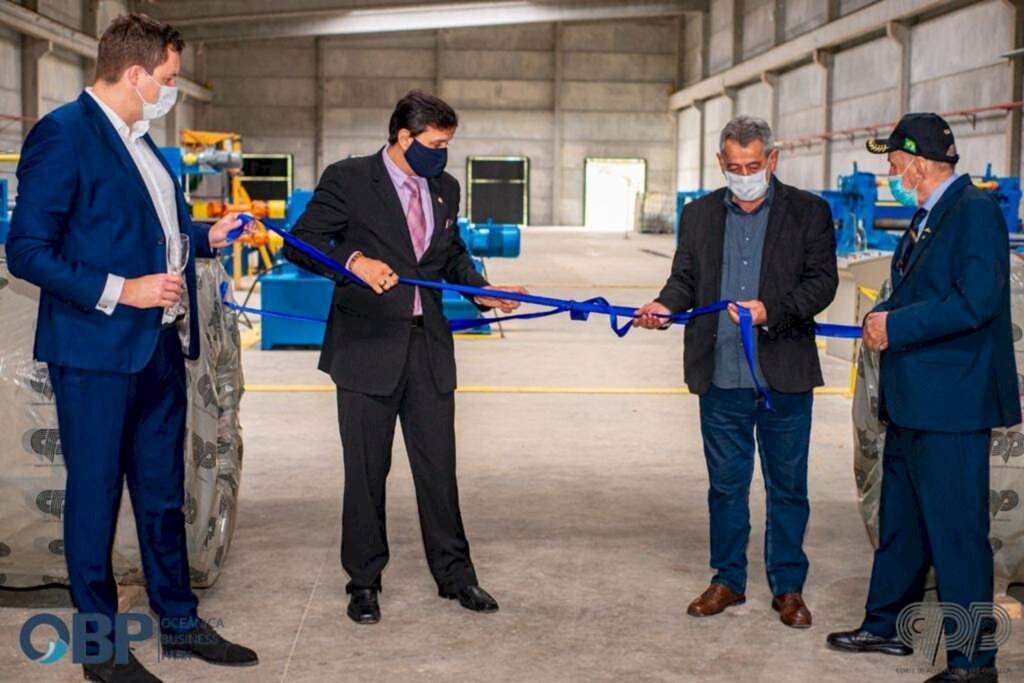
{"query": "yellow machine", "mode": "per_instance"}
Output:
(215, 153)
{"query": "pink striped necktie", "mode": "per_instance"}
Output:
(418, 231)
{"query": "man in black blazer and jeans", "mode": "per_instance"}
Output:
(772, 249)
(389, 349)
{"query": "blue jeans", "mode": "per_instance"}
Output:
(730, 421)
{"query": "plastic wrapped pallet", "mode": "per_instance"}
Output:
(32, 474)
(1006, 454)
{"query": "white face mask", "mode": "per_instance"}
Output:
(155, 110)
(747, 188)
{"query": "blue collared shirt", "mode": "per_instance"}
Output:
(934, 198)
(741, 276)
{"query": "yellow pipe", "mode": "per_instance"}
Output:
(12, 158)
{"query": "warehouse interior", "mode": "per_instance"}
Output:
(581, 471)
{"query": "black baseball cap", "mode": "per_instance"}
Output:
(923, 135)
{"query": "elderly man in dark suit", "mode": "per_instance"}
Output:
(771, 248)
(945, 331)
(389, 349)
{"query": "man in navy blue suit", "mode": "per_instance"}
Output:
(97, 228)
(948, 376)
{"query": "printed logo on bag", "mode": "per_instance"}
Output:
(203, 452)
(43, 442)
(189, 508)
(997, 544)
(868, 445)
(1002, 501)
(5, 550)
(197, 577)
(51, 502)
(39, 380)
(55, 580)
(56, 546)
(214, 323)
(983, 626)
(4, 282)
(1006, 445)
(1018, 333)
(1020, 384)
(205, 389)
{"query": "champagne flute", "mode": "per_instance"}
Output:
(177, 260)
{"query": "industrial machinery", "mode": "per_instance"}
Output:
(293, 290)
(204, 153)
(1007, 193)
(863, 222)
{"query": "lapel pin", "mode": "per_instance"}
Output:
(440, 200)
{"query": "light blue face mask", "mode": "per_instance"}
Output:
(901, 194)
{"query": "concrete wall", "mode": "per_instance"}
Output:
(609, 98)
(955, 64)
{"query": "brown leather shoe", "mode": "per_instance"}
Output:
(792, 610)
(714, 601)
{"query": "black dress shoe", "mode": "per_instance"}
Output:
(965, 676)
(110, 672)
(863, 641)
(363, 607)
(206, 644)
(473, 598)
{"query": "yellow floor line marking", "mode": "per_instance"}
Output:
(250, 337)
(607, 391)
(477, 337)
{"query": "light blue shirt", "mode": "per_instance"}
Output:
(934, 198)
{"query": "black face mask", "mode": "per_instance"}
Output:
(424, 161)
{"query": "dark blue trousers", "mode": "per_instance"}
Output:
(730, 422)
(934, 510)
(115, 426)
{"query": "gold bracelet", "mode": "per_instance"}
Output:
(355, 257)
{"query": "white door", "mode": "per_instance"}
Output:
(610, 187)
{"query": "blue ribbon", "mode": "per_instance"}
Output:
(578, 310)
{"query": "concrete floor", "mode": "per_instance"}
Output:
(586, 513)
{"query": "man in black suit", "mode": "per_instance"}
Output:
(772, 249)
(389, 349)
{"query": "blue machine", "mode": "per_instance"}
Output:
(862, 220)
(682, 199)
(5, 218)
(290, 289)
(1007, 193)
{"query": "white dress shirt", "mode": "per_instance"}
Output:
(161, 191)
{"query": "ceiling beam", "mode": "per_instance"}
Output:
(423, 17)
(854, 26)
(30, 23)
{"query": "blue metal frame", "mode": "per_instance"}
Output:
(5, 218)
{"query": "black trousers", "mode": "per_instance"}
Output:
(367, 433)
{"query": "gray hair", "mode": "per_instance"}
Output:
(744, 130)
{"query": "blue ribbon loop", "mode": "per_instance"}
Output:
(578, 310)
